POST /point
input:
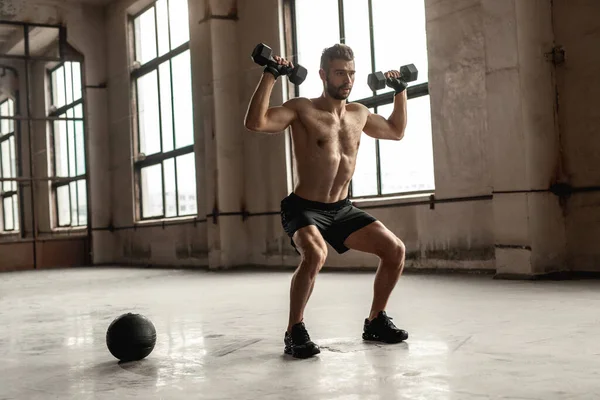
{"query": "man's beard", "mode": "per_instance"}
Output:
(335, 92)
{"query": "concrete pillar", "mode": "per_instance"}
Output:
(577, 32)
(525, 152)
(215, 63)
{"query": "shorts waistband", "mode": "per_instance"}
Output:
(320, 205)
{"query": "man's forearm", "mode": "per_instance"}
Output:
(398, 117)
(259, 104)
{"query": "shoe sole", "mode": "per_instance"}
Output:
(373, 338)
(300, 354)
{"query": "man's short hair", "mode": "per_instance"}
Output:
(336, 52)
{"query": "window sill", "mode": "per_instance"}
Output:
(165, 221)
(9, 235)
(391, 200)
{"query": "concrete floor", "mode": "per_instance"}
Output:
(220, 336)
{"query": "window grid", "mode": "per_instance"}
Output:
(9, 200)
(373, 102)
(145, 163)
(70, 111)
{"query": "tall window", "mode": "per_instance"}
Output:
(165, 163)
(380, 43)
(8, 168)
(68, 141)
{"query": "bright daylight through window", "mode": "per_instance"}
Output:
(8, 169)
(70, 194)
(165, 165)
(379, 43)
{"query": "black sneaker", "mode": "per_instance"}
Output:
(382, 329)
(298, 343)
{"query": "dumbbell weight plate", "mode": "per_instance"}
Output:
(376, 81)
(409, 73)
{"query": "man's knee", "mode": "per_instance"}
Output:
(313, 258)
(395, 250)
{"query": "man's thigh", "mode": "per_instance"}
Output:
(304, 227)
(309, 238)
(347, 222)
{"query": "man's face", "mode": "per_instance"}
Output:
(339, 79)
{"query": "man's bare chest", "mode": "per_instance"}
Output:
(326, 130)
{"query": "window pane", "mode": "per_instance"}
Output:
(74, 205)
(357, 31)
(58, 87)
(149, 126)
(9, 223)
(364, 181)
(5, 148)
(186, 184)
(69, 82)
(170, 189)
(11, 112)
(4, 124)
(13, 161)
(152, 194)
(15, 203)
(76, 68)
(78, 111)
(166, 108)
(145, 37)
(163, 27)
(182, 100)
(61, 158)
(180, 25)
(82, 200)
(80, 145)
(387, 30)
(407, 165)
(72, 154)
(64, 205)
(311, 42)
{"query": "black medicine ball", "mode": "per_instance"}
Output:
(131, 337)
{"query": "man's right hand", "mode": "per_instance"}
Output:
(283, 67)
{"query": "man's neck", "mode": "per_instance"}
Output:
(334, 106)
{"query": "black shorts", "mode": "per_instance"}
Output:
(336, 221)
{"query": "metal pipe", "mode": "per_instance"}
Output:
(86, 158)
(29, 136)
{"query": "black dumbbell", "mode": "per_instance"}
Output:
(408, 73)
(262, 56)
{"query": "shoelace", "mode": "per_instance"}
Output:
(388, 322)
(302, 333)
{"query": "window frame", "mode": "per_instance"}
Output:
(12, 193)
(375, 101)
(59, 182)
(142, 161)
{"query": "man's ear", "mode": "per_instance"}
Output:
(322, 74)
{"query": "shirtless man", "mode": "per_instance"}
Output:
(326, 134)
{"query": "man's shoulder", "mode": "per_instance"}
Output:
(298, 103)
(356, 107)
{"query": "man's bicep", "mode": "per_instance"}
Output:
(376, 126)
(279, 118)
